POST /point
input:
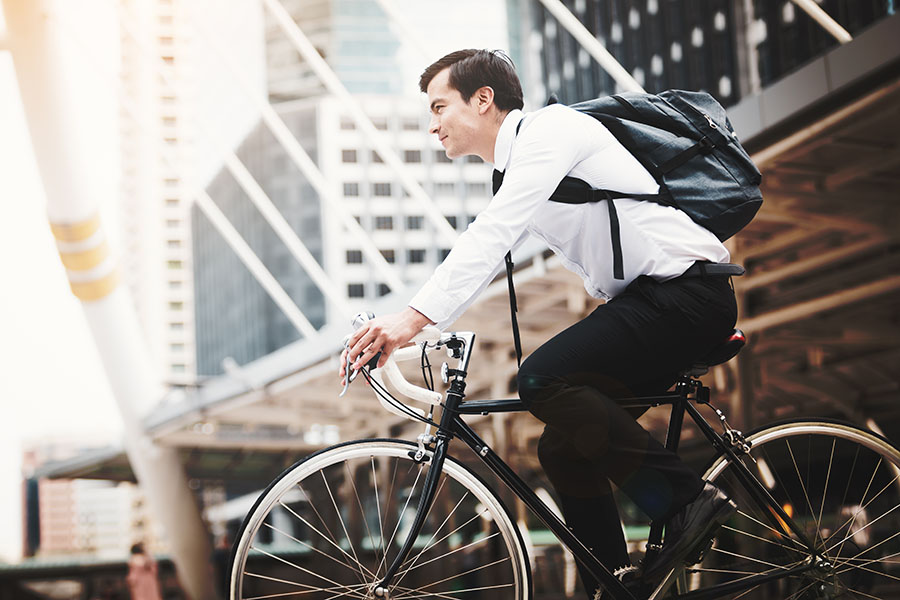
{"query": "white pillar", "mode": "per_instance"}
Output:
(49, 66)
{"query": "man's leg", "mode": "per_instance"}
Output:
(634, 345)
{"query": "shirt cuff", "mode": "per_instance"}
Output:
(433, 302)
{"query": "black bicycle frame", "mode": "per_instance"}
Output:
(452, 425)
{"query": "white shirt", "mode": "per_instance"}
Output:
(555, 141)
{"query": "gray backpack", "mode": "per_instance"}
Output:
(686, 142)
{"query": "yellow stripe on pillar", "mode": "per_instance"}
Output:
(97, 289)
(76, 232)
(85, 259)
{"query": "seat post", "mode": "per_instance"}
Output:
(673, 438)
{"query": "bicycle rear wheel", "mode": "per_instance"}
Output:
(841, 485)
(330, 526)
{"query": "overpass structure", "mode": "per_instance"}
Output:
(819, 301)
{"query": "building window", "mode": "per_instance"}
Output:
(444, 189)
(452, 220)
(176, 347)
(347, 124)
(470, 218)
(415, 255)
(444, 252)
(472, 158)
(376, 158)
(351, 189)
(384, 222)
(380, 124)
(354, 257)
(171, 182)
(178, 368)
(358, 219)
(173, 243)
(172, 223)
(355, 290)
(381, 189)
(168, 121)
(441, 157)
(476, 189)
(175, 285)
(169, 60)
(389, 256)
(172, 202)
(348, 156)
(410, 124)
(383, 289)
(175, 264)
(176, 305)
(415, 222)
(412, 156)
(176, 326)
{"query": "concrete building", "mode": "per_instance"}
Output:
(180, 111)
(234, 316)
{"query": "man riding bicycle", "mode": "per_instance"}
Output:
(662, 315)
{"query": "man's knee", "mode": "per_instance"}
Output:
(533, 386)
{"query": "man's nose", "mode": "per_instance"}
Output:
(433, 125)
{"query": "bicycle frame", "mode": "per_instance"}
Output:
(687, 391)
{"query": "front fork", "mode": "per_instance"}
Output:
(429, 488)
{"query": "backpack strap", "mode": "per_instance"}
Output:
(497, 180)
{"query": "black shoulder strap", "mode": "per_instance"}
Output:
(497, 180)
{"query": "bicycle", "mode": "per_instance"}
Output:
(394, 519)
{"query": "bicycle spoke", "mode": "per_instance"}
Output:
(405, 506)
(298, 567)
(751, 559)
(311, 590)
(866, 526)
(343, 526)
(825, 491)
(867, 561)
(863, 504)
(760, 538)
(402, 573)
(801, 590)
(324, 537)
(362, 511)
(425, 587)
(431, 560)
(862, 508)
(861, 593)
(799, 547)
(464, 591)
(333, 539)
(378, 510)
(802, 486)
(313, 548)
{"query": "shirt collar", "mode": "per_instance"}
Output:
(505, 137)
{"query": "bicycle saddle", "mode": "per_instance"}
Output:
(724, 352)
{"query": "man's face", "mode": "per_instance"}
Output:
(455, 121)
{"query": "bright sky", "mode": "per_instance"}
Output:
(51, 380)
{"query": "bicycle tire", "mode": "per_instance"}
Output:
(311, 531)
(841, 485)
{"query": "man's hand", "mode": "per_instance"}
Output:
(384, 334)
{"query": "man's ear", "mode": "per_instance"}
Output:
(485, 98)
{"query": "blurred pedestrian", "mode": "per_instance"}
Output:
(143, 575)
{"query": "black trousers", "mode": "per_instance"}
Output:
(634, 345)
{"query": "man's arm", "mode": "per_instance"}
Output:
(384, 334)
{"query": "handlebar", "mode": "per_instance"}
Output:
(428, 339)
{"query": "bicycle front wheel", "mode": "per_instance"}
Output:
(330, 526)
(841, 486)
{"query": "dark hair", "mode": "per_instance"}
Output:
(473, 69)
(137, 548)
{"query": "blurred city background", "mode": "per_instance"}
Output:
(196, 196)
